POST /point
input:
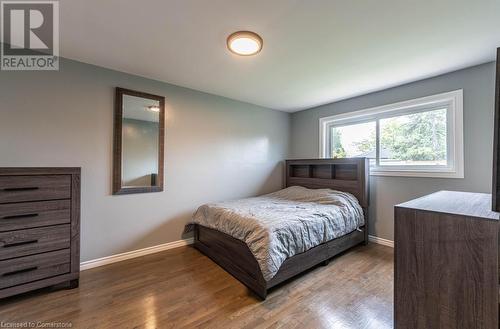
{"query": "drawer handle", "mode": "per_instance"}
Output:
(29, 269)
(15, 244)
(20, 189)
(20, 216)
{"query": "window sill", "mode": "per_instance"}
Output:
(417, 173)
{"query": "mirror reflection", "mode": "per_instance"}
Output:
(140, 136)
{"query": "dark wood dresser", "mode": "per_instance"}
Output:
(446, 262)
(39, 228)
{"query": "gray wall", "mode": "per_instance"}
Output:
(216, 149)
(478, 85)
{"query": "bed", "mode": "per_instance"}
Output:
(226, 246)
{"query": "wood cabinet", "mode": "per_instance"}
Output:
(39, 228)
(446, 262)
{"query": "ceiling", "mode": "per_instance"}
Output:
(315, 51)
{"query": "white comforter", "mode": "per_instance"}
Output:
(282, 224)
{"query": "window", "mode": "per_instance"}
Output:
(420, 138)
(354, 140)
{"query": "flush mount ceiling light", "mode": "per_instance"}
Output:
(153, 108)
(244, 43)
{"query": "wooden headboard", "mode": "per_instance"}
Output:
(347, 175)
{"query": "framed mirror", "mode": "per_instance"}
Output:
(139, 131)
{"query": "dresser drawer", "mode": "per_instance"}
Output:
(33, 188)
(31, 268)
(16, 216)
(32, 241)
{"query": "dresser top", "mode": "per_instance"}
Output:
(8, 171)
(456, 203)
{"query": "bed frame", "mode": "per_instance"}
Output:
(348, 175)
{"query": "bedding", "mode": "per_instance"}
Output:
(279, 225)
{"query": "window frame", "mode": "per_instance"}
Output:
(452, 101)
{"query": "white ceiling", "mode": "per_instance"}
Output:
(315, 51)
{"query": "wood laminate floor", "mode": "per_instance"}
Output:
(181, 288)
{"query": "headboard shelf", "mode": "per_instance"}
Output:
(322, 171)
(348, 175)
(301, 171)
(320, 182)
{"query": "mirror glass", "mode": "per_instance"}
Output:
(140, 136)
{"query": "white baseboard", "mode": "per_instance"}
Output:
(384, 242)
(133, 254)
(171, 245)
